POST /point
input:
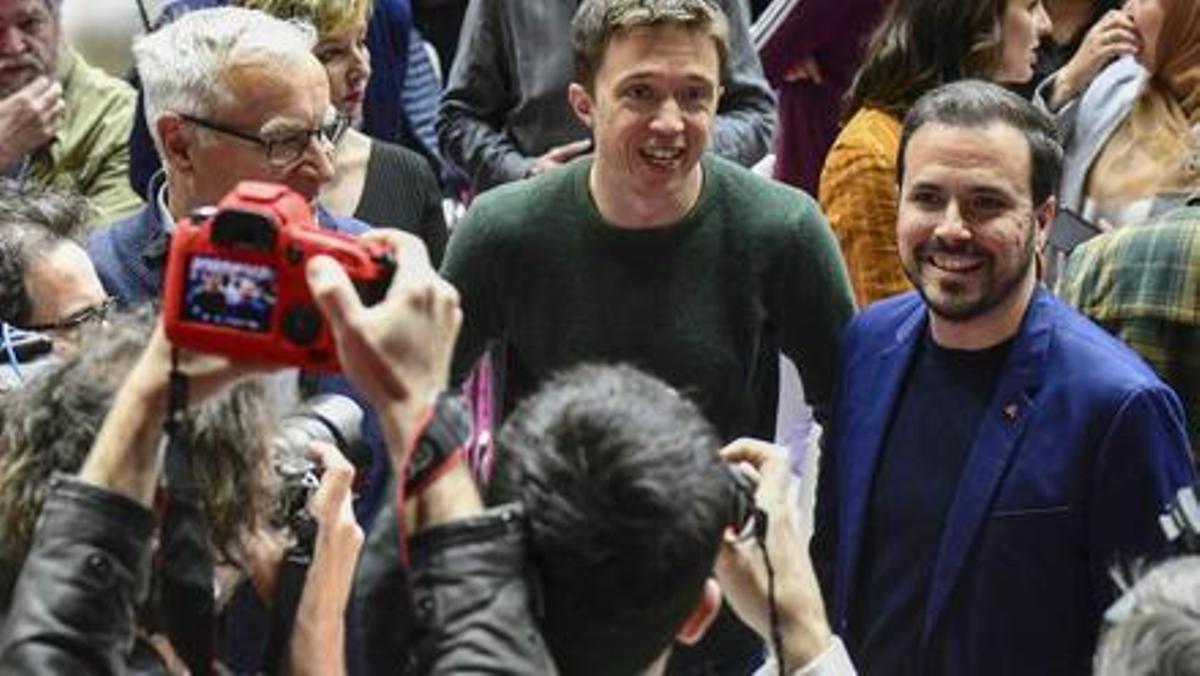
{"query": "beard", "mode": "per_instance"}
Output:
(961, 300)
(21, 69)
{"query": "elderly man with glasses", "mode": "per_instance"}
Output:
(47, 283)
(231, 94)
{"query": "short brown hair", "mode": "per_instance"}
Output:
(597, 21)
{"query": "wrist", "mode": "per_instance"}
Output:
(805, 642)
(1063, 88)
(440, 439)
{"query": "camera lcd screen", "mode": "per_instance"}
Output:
(229, 293)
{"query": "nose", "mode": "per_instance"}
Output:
(952, 227)
(360, 66)
(12, 40)
(317, 162)
(1042, 22)
(669, 118)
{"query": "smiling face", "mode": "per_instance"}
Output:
(651, 109)
(28, 43)
(1024, 25)
(967, 228)
(1147, 16)
(347, 61)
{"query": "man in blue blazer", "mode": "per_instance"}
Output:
(993, 454)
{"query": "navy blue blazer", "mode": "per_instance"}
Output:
(1079, 449)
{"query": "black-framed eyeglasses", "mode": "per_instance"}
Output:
(94, 313)
(288, 148)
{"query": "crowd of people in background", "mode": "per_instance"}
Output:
(811, 337)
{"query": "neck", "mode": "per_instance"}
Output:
(990, 328)
(342, 194)
(179, 198)
(639, 207)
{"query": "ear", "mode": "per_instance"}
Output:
(176, 141)
(702, 615)
(1045, 217)
(581, 102)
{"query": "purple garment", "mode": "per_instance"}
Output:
(835, 32)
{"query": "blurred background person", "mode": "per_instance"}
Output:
(1070, 21)
(47, 282)
(63, 123)
(1143, 284)
(810, 50)
(1132, 128)
(919, 45)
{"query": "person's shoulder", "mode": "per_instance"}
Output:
(870, 130)
(107, 238)
(404, 164)
(1147, 270)
(92, 87)
(515, 208)
(757, 201)
(1087, 357)
(881, 322)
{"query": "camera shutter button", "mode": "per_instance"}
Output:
(302, 324)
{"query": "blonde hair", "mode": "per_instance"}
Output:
(327, 16)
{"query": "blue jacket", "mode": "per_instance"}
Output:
(1080, 448)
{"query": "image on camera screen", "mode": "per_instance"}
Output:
(229, 293)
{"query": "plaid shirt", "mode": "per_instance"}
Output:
(1143, 284)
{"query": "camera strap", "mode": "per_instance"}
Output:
(760, 538)
(185, 608)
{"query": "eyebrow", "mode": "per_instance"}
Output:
(647, 75)
(286, 125)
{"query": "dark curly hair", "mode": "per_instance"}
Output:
(49, 426)
(921, 44)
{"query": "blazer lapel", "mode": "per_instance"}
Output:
(997, 441)
(877, 383)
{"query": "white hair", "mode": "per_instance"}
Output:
(181, 64)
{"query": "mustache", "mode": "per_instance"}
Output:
(936, 246)
(25, 60)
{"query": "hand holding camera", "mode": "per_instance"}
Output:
(235, 280)
(742, 570)
(396, 352)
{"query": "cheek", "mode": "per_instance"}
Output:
(910, 231)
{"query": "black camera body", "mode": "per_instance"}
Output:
(334, 419)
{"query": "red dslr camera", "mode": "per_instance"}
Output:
(235, 281)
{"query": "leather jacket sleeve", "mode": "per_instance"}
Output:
(464, 605)
(73, 608)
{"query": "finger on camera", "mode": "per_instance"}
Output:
(408, 249)
(337, 474)
(754, 452)
(332, 290)
(327, 455)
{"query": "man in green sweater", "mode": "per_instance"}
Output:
(653, 252)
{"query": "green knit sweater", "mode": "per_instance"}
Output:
(705, 304)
